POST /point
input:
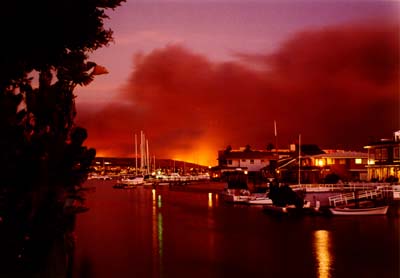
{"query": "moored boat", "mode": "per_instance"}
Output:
(259, 199)
(382, 210)
(236, 190)
(235, 195)
(138, 180)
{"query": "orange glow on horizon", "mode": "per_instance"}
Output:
(205, 155)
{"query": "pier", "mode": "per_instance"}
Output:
(335, 194)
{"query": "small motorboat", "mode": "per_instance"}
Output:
(259, 199)
(138, 180)
(236, 190)
(236, 195)
(382, 210)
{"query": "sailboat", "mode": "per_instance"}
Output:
(138, 179)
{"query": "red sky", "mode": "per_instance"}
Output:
(198, 77)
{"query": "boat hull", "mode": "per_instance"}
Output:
(235, 195)
(360, 211)
(260, 201)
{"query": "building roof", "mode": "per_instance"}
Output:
(246, 154)
(395, 140)
(382, 143)
(341, 155)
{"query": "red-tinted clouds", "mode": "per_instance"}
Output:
(337, 86)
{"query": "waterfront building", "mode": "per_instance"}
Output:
(328, 166)
(248, 159)
(316, 165)
(384, 159)
(266, 164)
(347, 165)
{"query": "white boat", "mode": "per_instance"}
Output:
(235, 195)
(259, 199)
(359, 211)
(236, 190)
(138, 180)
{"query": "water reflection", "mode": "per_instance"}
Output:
(322, 251)
(157, 234)
(210, 226)
(159, 201)
(154, 234)
(210, 200)
(160, 235)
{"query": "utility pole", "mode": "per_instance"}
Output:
(299, 157)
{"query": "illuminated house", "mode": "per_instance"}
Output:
(249, 160)
(327, 166)
(384, 159)
(348, 165)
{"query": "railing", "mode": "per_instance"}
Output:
(390, 191)
(353, 186)
(341, 199)
(346, 197)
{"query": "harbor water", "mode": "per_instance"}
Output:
(190, 232)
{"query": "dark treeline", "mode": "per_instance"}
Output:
(43, 160)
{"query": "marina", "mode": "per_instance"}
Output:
(192, 232)
(160, 156)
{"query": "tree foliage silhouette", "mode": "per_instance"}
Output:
(43, 57)
(49, 41)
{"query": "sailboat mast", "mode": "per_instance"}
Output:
(141, 152)
(276, 139)
(135, 154)
(147, 157)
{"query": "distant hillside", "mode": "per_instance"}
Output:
(130, 162)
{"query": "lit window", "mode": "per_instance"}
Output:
(319, 162)
(342, 161)
(358, 160)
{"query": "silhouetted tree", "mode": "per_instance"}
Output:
(43, 57)
(228, 149)
(247, 148)
(270, 147)
(332, 178)
(49, 41)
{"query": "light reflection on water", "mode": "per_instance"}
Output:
(186, 232)
(323, 256)
(210, 227)
(160, 238)
(157, 235)
(210, 200)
